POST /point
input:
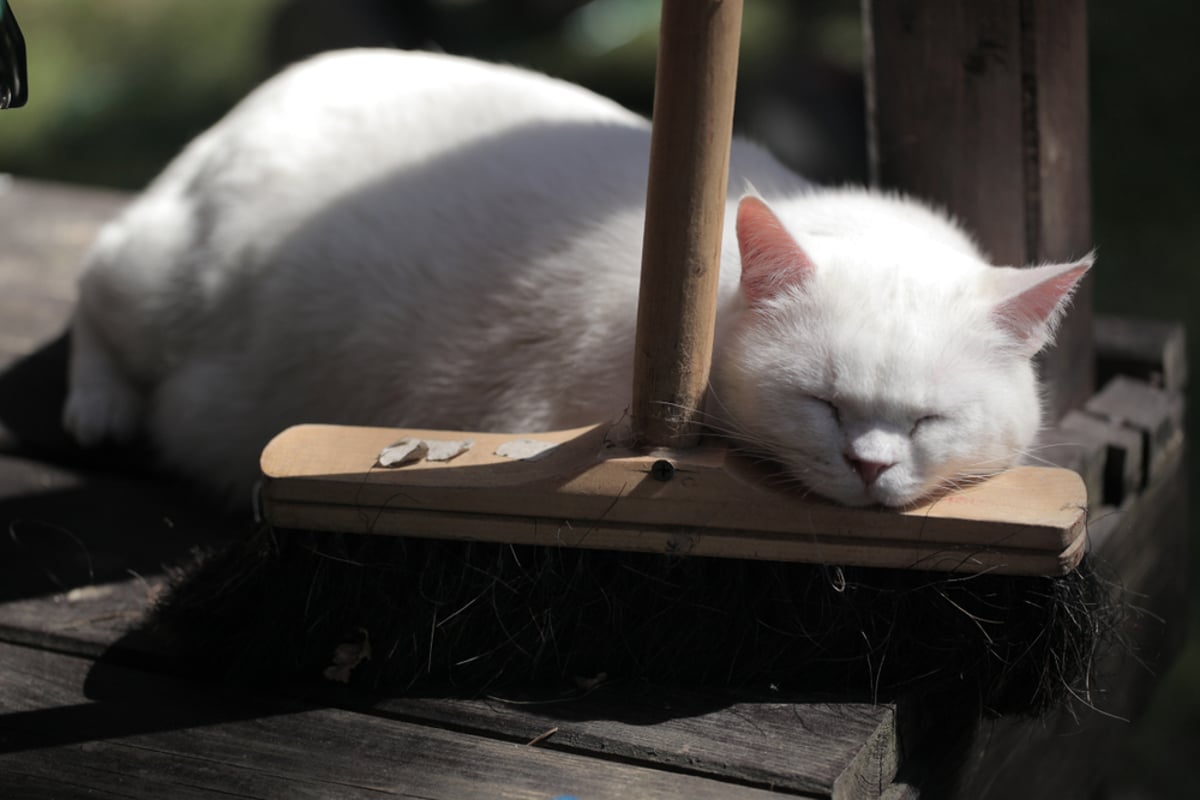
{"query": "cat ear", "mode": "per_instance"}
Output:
(771, 259)
(1035, 299)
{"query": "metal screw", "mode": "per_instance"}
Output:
(662, 470)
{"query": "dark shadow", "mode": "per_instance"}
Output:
(124, 701)
(72, 517)
(104, 528)
(32, 392)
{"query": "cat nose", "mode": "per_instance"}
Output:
(869, 471)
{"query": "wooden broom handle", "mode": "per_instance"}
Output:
(685, 210)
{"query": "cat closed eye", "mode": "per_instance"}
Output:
(829, 404)
(925, 420)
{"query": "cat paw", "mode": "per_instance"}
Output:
(96, 414)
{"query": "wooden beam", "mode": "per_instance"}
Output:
(982, 108)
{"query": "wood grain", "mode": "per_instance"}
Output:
(982, 109)
(115, 731)
(819, 749)
(789, 743)
(685, 209)
(588, 492)
(946, 112)
(1058, 202)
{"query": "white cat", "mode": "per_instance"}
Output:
(418, 240)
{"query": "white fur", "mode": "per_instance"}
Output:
(407, 239)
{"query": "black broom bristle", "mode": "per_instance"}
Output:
(477, 617)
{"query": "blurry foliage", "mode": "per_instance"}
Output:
(117, 86)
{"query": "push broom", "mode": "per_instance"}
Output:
(649, 486)
(633, 547)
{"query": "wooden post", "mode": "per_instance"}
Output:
(981, 107)
(685, 209)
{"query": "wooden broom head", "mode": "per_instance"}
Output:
(581, 488)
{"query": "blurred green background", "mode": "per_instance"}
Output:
(118, 86)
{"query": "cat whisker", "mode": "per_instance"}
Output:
(717, 426)
(1050, 445)
(1037, 460)
(965, 479)
(797, 468)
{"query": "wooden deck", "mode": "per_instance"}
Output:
(89, 707)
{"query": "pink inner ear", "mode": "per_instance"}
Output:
(1033, 314)
(771, 258)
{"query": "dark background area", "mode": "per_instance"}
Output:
(117, 87)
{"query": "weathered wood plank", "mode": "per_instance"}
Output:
(981, 107)
(88, 620)
(1123, 455)
(47, 229)
(946, 112)
(819, 748)
(1058, 184)
(586, 492)
(824, 749)
(1156, 414)
(71, 721)
(1108, 455)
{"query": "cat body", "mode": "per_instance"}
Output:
(420, 240)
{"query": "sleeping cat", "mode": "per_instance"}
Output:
(419, 240)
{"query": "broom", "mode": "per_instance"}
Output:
(647, 486)
(633, 549)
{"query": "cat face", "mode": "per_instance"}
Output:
(877, 378)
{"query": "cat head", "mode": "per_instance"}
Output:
(882, 360)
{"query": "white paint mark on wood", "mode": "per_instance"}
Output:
(411, 450)
(405, 451)
(525, 449)
(446, 449)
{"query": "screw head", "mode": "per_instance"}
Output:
(662, 470)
